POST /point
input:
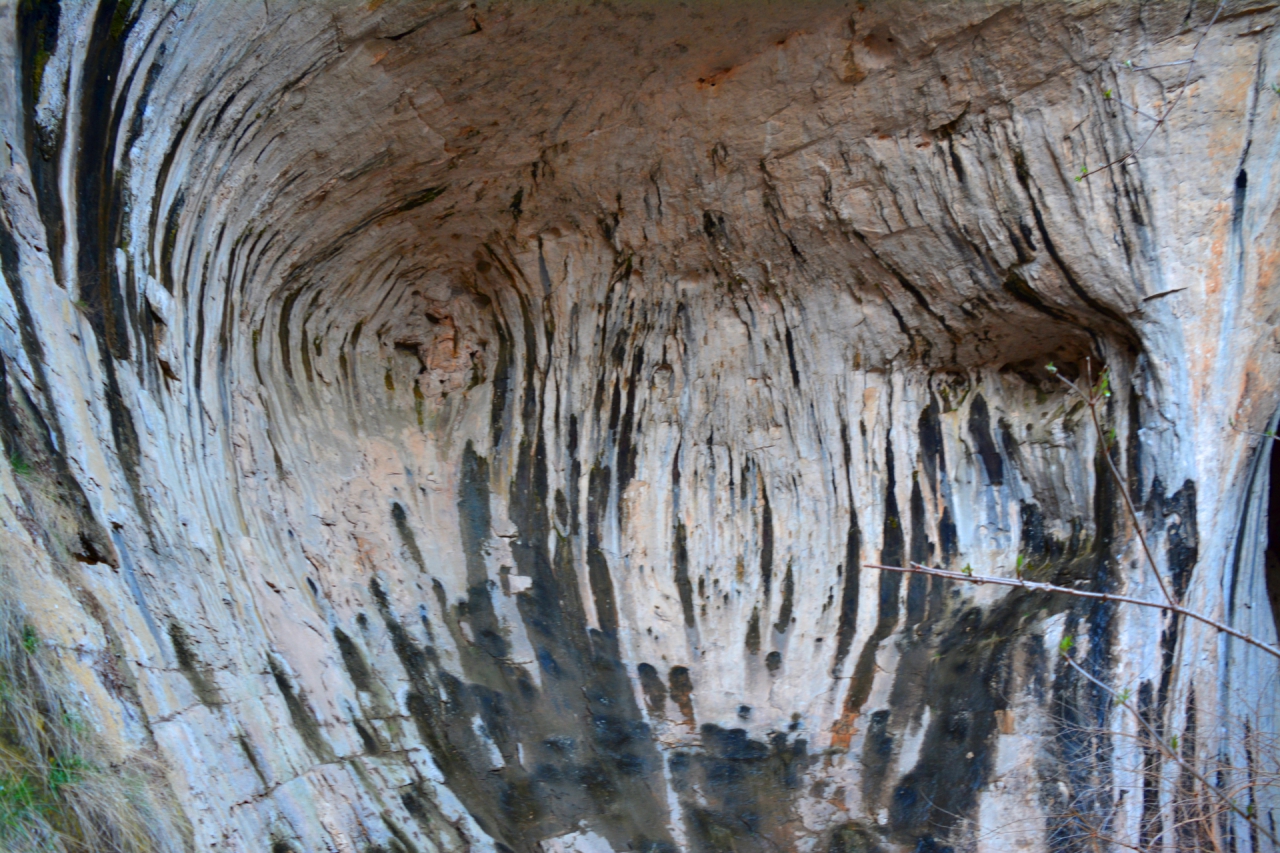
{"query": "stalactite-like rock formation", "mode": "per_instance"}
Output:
(447, 427)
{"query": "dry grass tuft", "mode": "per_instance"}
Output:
(60, 792)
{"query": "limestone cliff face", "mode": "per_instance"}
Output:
(463, 426)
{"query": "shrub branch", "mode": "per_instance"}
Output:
(1036, 586)
(1164, 116)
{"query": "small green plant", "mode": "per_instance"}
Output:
(30, 641)
(1066, 644)
(1103, 386)
(74, 723)
(20, 466)
(67, 770)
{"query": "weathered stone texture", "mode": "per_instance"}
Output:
(467, 423)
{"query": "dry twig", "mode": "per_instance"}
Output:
(1159, 122)
(1037, 586)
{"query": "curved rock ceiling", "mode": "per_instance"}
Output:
(467, 423)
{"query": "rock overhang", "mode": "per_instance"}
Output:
(534, 382)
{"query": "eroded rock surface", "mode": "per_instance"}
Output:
(452, 427)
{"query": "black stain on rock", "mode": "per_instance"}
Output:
(251, 756)
(367, 738)
(1133, 448)
(737, 793)
(892, 554)
(501, 384)
(98, 224)
(773, 662)
(442, 708)
(1081, 793)
(788, 602)
(1072, 559)
(615, 408)
(682, 692)
(1272, 557)
(43, 476)
(198, 675)
(475, 523)
(626, 429)
(1181, 552)
(532, 762)
(932, 455)
(852, 585)
(964, 683)
(354, 662)
(304, 719)
(407, 538)
(655, 691)
(948, 537)
(713, 225)
(894, 551)
(753, 632)
(37, 23)
(421, 806)
(877, 755)
(791, 358)
(1037, 543)
(1182, 543)
(980, 430)
(684, 587)
(921, 549)
(766, 541)
(853, 837)
(597, 566)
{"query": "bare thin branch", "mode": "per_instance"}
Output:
(1172, 753)
(1037, 586)
(1130, 106)
(1092, 400)
(1149, 67)
(1269, 435)
(1165, 115)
